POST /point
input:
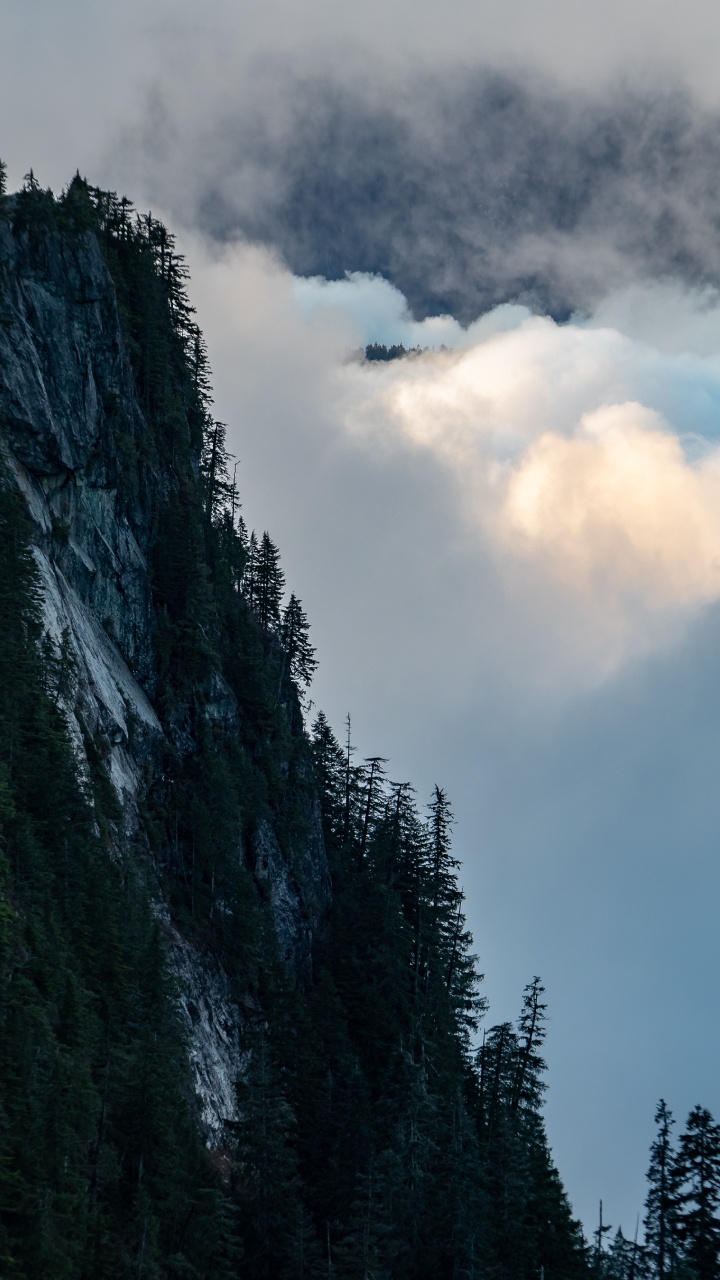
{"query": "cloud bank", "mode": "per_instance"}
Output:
(574, 451)
(465, 188)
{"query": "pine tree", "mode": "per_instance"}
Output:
(528, 1086)
(270, 581)
(214, 470)
(697, 1173)
(449, 966)
(294, 637)
(661, 1203)
(626, 1259)
(374, 774)
(599, 1234)
(362, 1252)
(330, 774)
(250, 574)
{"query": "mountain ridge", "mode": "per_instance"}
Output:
(235, 962)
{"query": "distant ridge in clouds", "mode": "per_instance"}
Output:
(464, 191)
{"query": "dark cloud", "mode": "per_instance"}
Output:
(465, 190)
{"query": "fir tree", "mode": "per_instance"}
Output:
(661, 1203)
(697, 1175)
(250, 575)
(219, 490)
(329, 773)
(528, 1086)
(270, 581)
(299, 654)
(626, 1259)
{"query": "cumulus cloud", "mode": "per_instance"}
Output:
(582, 451)
(574, 466)
(618, 509)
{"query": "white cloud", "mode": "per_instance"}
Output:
(617, 509)
(378, 310)
(582, 451)
(577, 465)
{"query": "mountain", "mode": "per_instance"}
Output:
(238, 1001)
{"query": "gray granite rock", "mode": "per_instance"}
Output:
(70, 431)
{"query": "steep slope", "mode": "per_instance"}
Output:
(238, 999)
(103, 480)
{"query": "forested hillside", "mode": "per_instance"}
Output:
(208, 839)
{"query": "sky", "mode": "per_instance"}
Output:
(508, 545)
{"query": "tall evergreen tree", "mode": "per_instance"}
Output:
(295, 640)
(214, 470)
(250, 574)
(697, 1174)
(330, 774)
(661, 1203)
(270, 581)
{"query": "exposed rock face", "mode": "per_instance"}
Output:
(62, 364)
(214, 1022)
(71, 431)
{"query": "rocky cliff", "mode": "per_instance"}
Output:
(103, 464)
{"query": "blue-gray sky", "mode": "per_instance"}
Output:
(509, 551)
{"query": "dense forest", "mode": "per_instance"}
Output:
(380, 1132)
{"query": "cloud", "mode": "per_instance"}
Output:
(466, 187)
(616, 508)
(570, 471)
(379, 310)
(585, 454)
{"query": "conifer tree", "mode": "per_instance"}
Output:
(661, 1204)
(448, 963)
(295, 640)
(626, 1259)
(528, 1086)
(599, 1234)
(219, 490)
(373, 800)
(697, 1175)
(351, 789)
(250, 574)
(270, 581)
(330, 773)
